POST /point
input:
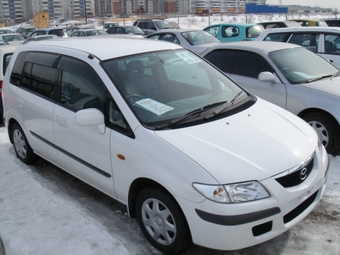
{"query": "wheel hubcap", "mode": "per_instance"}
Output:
(159, 221)
(321, 131)
(19, 143)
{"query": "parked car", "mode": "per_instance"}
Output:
(333, 22)
(26, 31)
(13, 38)
(193, 39)
(87, 32)
(232, 32)
(5, 31)
(49, 31)
(291, 77)
(311, 22)
(69, 30)
(190, 153)
(278, 24)
(325, 41)
(6, 52)
(152, 25)
(126, 30)
(107, 25)
(2, 42)
(39, 38)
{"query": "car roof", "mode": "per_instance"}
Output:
(8, 48)
(235, 24)
(174, 30)
(48, 29)
(107, 47)
(257, 46)
(304, 29)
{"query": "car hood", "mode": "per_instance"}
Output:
(329, 85)
(201, 48)
(254, 144)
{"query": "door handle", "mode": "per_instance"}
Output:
(20, 102)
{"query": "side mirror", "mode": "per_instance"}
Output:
(267, 77)
(91, 117)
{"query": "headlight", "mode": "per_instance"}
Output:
(233, 193)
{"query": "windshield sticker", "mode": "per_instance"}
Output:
(188, 57)
(154, 106)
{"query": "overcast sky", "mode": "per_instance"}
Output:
(324, 3)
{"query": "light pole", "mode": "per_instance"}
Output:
(85, 12)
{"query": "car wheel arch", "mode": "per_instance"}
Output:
(315, 111)
(138, 185)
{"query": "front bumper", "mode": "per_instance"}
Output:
(240, 225)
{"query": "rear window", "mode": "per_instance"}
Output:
(58, 32)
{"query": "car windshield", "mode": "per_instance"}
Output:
(199, 37)
(164, 87)
(134, 30)
(161, 24)
(12, 37)
(254, 31)
(300, 65)
(95, 32)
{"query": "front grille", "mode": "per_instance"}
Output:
(298, 210)
(296, 177)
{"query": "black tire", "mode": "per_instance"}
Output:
(162, 221)
(327, 130)
(21, 146)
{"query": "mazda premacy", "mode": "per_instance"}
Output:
(193, 156)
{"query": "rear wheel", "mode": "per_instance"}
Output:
(22, 148)
(162, 221)
(326, 129)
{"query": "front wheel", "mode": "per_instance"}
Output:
(22, 148)
(326, 129)
(162, 221)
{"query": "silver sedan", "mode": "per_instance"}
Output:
(287, 75)
(193, 39)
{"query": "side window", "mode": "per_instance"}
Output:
(332, 44)
(150, 25)
(142, 24)
(277, 37)
(40, 79)
(81, 87)
(223, 59)
(230, 31)
(252, 67)
(168, 37)
(18, 67)
(212, 30)
(310, 41)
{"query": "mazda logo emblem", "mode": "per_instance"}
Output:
(303, 174)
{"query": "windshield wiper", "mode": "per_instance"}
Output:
(320, 78)
(190, 114)
(223, 107)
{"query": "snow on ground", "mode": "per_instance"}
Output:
(45, 211)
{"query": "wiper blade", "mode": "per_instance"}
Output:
(222, 108)
(190, 114)
(319, 78)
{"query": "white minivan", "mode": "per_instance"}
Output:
(196, 158)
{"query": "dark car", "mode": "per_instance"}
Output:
(49, 31)
(333, 22)
(151, 25)
(126, 30)
(26, 31)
